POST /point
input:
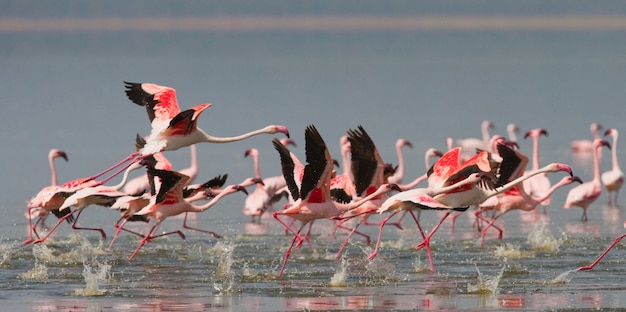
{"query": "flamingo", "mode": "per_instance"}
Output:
(173, 128)
(516, 199)
(593, 264)
(141, 184)
(538, 185)
(129, 205)
(585, 194)
(312, 193)
(91, 195)
(399, 172)
(614, 178)
(267, 193)
(35, 205)
(170, 202)
(469, 145)
(448, 170)
(587, 145)
(422, 199)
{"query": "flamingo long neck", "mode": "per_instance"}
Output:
(53, 170)
(614, 160)
(209, 138)
(596, 163)
(212, 202)
(485, 132)
(513, 183)
(535, 165)
(552, 189)
(192, 171)
(355, 204)
(414, 183)
(399, 174)
(255, 160)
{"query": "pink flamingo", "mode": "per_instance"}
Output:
(270, 191)
(420, 199)
(170, 202)
(614, 178)
(587, 145)
(593, 264)
(35, 205)
(585, 194)
(91, 195)
(141, 184)
(448, 170)
(538, 185)
(515, 199)
(173, 128)
(470, 145)
(312, 194)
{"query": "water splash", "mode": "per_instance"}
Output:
(225, 281)
(562, 279)
(540, 239)
(6, 251)
(339, 278)
(419, 267)
(510, 251)
(94, 276)
(486, 284)
(42, 255)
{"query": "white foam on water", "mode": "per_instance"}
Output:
(94, 276)
(225, 277)
(510, 251)
(486, 284)
(339, 278)
(562, 279)
(540, 239)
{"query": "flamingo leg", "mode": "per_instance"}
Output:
(352, 232)
(129, 157)
(416, 219)
(397, 224)
(85, 228)
(306, 238)
(288, 227)
(592, 264)
(31, 228)
(490, 224)
(426, 242)
(199, 230)
(143, 241)
(380, 232)
(288, 252)
(120, 228)
(54, 227)
(453, 219)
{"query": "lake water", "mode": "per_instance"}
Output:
(63, 88)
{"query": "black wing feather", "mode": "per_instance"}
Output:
(139, 96)
(363, 157)
(316, 160)
(287, 168)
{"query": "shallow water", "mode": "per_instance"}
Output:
(531, 268)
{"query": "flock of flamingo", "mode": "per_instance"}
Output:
(489, 174)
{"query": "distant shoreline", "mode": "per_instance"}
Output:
(320, 23)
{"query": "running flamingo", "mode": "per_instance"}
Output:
(170, 202)
(614, 178)
(312, 193)
(587, 193)
(91, 195)
(35, 207)
(515, 199)
(421, 199)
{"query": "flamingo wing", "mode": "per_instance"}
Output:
(160, 101)
(288, 168)
(172, 182)
(318, 161)
(364, 159)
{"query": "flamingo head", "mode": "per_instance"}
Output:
(403, 142)
(54, 153)
(611, 131)
(280, 129)
(239, 188)
(598, 143)
(554, 167)
(251, 152)
(536, 133)
(575, 179)
(287, 142)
